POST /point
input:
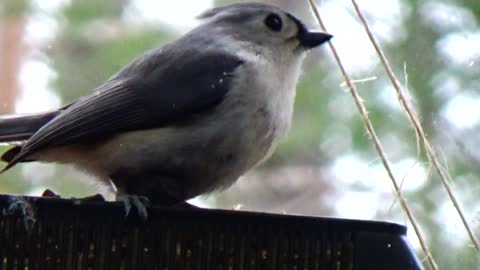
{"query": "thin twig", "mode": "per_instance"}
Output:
(431, 155)
(343, 84)
(377, 144)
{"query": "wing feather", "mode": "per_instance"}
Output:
(153, 91)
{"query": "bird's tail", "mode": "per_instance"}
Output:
(16, 128)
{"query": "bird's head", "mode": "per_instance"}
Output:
(264, 27)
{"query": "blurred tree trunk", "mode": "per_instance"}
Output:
(11, 51)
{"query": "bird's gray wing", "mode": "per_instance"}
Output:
(154, 90)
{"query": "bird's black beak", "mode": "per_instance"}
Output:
(309, 39)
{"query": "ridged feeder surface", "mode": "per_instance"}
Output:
(72, 234)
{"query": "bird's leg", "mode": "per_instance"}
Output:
(157, 195)
(20, 204)
(139, 202)
(142, 202)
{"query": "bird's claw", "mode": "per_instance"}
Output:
(139, 202)
(20, 204)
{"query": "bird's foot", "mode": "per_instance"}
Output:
(25, 208)
(139, 202)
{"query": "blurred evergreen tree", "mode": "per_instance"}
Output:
(95, 42)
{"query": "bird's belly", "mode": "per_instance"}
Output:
(202, 158)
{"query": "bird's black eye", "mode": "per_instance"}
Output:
(274, 22)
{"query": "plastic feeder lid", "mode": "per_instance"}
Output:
(71, 234)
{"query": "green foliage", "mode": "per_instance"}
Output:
(94, 63)
(80, 12)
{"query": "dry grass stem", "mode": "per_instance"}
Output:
(344, 84)
(412, 116)
(376, 142)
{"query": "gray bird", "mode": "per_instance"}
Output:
(184, 119)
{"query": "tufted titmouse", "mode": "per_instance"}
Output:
(184, 119)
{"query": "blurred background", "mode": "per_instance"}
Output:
(52, 52)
